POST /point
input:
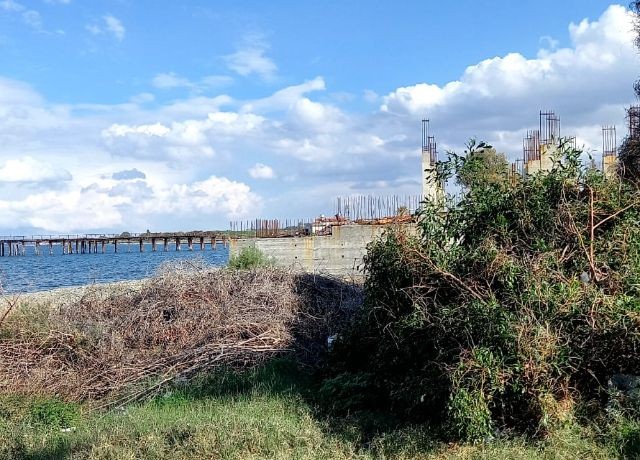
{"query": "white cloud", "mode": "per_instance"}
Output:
(143, 98)
(110, 204)
(180, 140)
(94, 29)
(601, 61)
(33, 19)
(11, 5)
(285, 98)
(251, 59)
(115, 27)
(110, 25)
(14, 93)
(30, 17)
(30, 170)
(193, 149)
(209, 196)
(171, 80)
(260, 171)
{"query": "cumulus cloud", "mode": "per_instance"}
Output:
(504, 92)
(30, 170)
(108, 206)
(215, 194)
(260, 171)
(179, 140)
(192, 149)
(251, 59)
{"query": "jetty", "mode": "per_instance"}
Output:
(97, 243)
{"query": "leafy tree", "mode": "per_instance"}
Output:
(629, 158)
(482, 165)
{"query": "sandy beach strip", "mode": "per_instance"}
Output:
(68, 295)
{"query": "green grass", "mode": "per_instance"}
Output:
(265, 413)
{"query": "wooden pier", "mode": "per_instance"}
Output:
(97, 243)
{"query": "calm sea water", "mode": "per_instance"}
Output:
(33, 272)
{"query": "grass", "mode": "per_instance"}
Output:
(265, 413)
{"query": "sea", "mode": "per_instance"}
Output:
(32, 273)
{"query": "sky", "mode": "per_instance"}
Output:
(128, 115)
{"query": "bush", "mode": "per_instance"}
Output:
(53, 413)
(509, 310)
(250, 257)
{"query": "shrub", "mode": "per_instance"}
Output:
(250, 257)
(508, 310)
(53, 413)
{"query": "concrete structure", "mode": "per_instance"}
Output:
(431, 189)
(340, 253)
(545, 160)
(609, 165)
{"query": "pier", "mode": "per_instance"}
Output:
(97, 243)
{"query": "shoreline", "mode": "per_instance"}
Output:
(68, 294)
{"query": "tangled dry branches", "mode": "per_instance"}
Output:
(118, 346)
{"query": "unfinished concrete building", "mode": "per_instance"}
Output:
(540, 147)
(609, 151)
(432, 190)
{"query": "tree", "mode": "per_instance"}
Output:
(629, 158)
(634, 6)
(482, 165)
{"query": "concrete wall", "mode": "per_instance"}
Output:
(546, 161)
(610, 165)
(430, 189)
(338, 254)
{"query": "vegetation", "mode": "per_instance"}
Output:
(250, 257)
(110, 346)
(497, 326)
(482, 164)
(267, 412)
(629, 153)
(506, 315)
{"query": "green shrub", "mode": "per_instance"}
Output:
(53, 413)
(509, 310)
(250, 257)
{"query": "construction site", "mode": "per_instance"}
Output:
(337, 244)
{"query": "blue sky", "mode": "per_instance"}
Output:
(128, 115)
